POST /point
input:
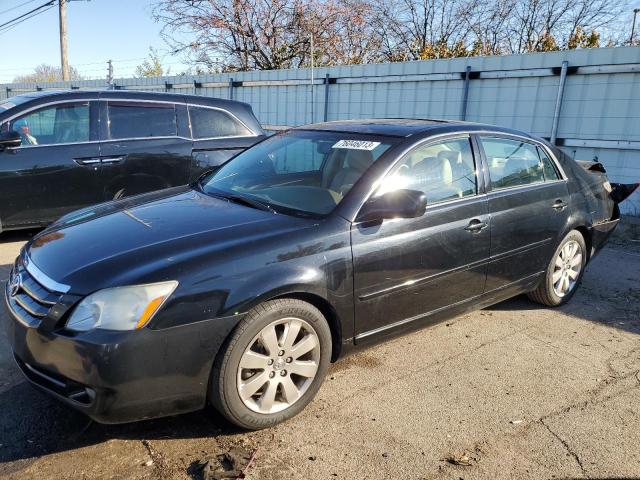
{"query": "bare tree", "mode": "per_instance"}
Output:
(539, 25)
(228, 35)
(47, 73)
(422, 29)
(266, 34)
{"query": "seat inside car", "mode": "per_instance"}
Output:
(353, 166)
(67, 127)
(435, 176)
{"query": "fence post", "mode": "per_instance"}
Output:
(231, 89)
(465, 93)
(326, 98)
(556, 113)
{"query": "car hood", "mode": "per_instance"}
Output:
(135, 240)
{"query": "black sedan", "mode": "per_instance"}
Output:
(63, 150)
(241, 289)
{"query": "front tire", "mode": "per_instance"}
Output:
(564, 272)
(272, 365)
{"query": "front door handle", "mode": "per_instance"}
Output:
(112, 159)
(475, 226)
(87, 161)
(559, 205)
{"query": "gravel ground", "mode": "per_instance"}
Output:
(512, 391)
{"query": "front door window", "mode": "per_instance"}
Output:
(55, 125)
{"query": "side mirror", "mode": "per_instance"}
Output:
(396, 204)
(10, 139)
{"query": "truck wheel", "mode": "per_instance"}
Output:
(563, 273)
(272, 365)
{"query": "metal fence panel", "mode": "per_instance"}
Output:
(599, 115)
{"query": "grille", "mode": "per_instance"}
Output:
(29, 300)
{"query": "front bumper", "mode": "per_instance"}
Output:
(117, 377)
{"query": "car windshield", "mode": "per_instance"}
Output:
(299, 171)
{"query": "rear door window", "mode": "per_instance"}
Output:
(141, 120)
(512, 162)
(65, 123)
(214, 123)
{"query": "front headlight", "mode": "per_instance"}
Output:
(120, 308)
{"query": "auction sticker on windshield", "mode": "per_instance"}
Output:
(356, 144)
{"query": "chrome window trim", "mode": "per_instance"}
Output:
(42, 278)
(530, 141)
(195, 105)
(468, 134)
(45, 106)
(97, 99)
(526, 186)
(421, 143)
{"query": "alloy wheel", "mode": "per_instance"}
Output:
(566, 268)
(278, 366)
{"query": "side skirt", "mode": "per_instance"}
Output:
(436, 316)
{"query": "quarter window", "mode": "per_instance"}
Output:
(54, 125)
(132, 120)
(210, 123)
(512, 162)
(442, 171)
(550, 172)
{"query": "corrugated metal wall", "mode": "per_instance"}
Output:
(599, 116)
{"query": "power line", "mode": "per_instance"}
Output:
(47, 4)
(16, 23)
(16, 7)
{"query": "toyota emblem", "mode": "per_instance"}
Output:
(16, 283)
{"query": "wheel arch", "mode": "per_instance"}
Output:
(327, 311)
(586, 234)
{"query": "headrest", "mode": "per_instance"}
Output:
(359, 159)
(453, 156)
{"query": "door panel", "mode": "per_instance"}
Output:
(524, 229)
(55, 171)
(144, 147)
(130, 167)
(407, 268)
(40, 184)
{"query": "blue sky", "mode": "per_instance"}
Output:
(98, 30)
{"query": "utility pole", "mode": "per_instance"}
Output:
(64, 61)
(633, 27)
(110, 73)
(312, 82)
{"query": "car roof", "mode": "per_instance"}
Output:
(131, 94)
(407, 127)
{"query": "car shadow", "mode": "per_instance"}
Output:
(34, 424)
(609, 293)
(17, 235)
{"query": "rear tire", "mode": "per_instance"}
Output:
(564, 272)
(272, 365)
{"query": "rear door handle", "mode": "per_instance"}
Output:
(475, 226)
(112, 159)
(559, 205)
(87, 161)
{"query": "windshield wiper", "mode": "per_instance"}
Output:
(250, 202)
